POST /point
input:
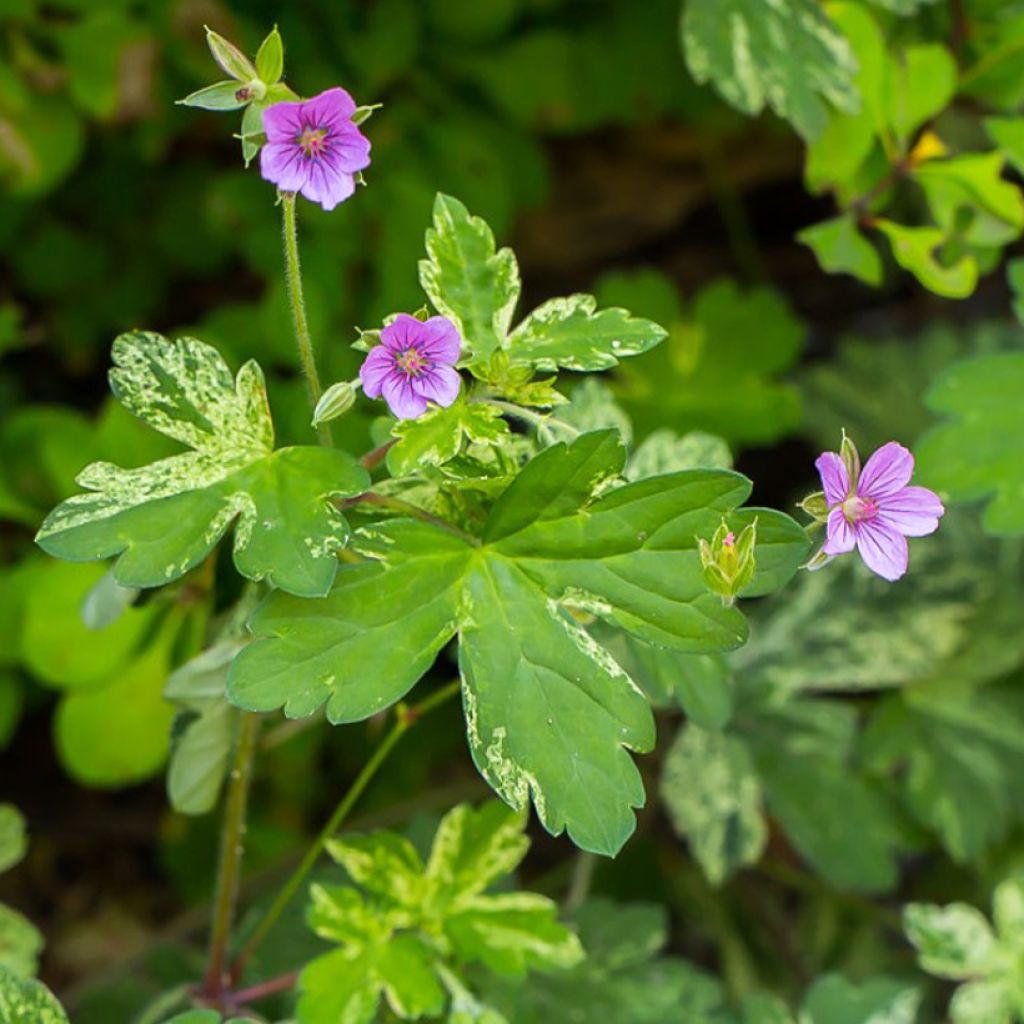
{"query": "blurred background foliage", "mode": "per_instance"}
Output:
(864, 750)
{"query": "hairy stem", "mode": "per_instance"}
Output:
(245, 996)
(231, 847)
(406, 717)
(293, 275)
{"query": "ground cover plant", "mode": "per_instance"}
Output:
(511, 513)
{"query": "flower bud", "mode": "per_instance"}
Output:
(816, 506)
(230, 57)
(334, 402)
(851, 459)
(270, 58)
(728, 560)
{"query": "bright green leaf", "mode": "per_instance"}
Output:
(20, 944)
(842, 249)
(467, 280)
(953, 942)
(27, 1002)
(164, 518)
(1008, 134)
(834, 1000)
(916, 250)
(270, 58)
(787, 56)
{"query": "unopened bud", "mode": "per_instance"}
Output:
(270, 58)
(851, 459)
(728, 560)
(816, 506)
(819, 561)
(230, 57)
(334, 402)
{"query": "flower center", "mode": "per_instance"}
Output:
(312, 141)
(411, 362)
(859, 510)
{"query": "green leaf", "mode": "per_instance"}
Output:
(915, 249)
(904, 7)
(953, 942)
(834, 1000)
(13, 839)
(27, 1002)
(921, 83)
(219, 96)
(339, 988)
(204, 729)
(786, 56)
(974, 454)
(20, 944)
(383, 863)
(573, 334)
(621, 981)
(165, 518)
(270, 58)
(1008, 134)
(438, 436)
(1015, 277)
(957, 751)
(719, 368)
(467, 280)
(713, 797)
(539, 693)
(842, 249)
(666, 452)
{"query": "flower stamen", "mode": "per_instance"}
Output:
(411, 362)
(312, 142)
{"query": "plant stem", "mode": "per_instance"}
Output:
(406, 717)
(582, 876)
(372, 459)
(407, 508)
(293, 275)
(231, 846)
(264, 989)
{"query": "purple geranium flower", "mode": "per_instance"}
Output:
(314, 148)
(876, 511)
(413, 364)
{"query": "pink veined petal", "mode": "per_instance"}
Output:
(440, 384)
(914, 511)
(283, 121)
(402, 332)
(283, 164)
(841, 535)
(886, 472)
(835, 481)
(328, 108)
(883, 549)
(327, 185)
(348, 147)
(378, 363)
(402, 400)
(440, 340)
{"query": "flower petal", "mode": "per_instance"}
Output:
(886, 472)
(440, 341)
(328, 108)
(282, 122)
(402, 332)
(327, 185)
(883, 549)
(283, 164)
(405, 403)
(835, 481)
(348, 148)
(914, 511)
(378, 363)
(841, 536)
(440, 384)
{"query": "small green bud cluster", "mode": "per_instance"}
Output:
(729, 561)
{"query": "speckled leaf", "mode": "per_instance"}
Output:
(954, 941)
(976, 453)
(834, 1000)
(27, 1002)
(541, 697)
(785, 54)
(573, 334)
(164, 518)
(466, 280)
(20, 943)
(713, 797)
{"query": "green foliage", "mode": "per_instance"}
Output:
(548, 539)
(974, 454)
(787, 56)
(957, 942)
(20, 942)
(27, 1002)
(163, 519)
(410, 929)
(719, 368)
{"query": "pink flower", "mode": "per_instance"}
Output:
(413, 364)
(876, 511)
(314, 148)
